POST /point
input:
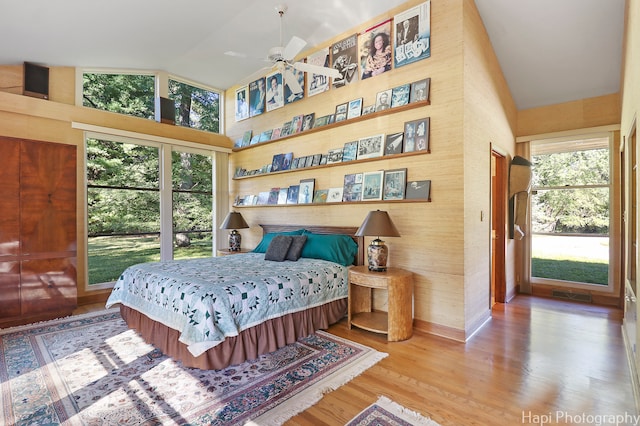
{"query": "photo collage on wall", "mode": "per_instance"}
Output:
(394, 43)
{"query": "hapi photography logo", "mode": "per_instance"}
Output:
(563, 417)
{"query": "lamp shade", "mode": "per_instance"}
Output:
(234, 220)
(377, 223)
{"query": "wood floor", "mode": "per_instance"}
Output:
(537, 361)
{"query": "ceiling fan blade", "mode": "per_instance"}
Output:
(254, 75)
(295, 45)
(315, 69)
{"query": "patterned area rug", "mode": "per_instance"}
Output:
(386, 412)
(93, 370)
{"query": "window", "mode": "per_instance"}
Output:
(134, 94)
(570, 215)
(126, 204)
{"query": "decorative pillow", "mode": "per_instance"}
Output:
(266, 240)
(338, 248)
(278, 248)
(295, 250)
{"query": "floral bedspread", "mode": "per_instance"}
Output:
(209, 299)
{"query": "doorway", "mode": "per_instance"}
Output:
(498, 227)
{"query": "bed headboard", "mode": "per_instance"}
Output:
(318, 229)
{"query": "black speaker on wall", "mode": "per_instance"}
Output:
(36, 80)
(167, 111)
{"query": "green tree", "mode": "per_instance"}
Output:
(122, 93)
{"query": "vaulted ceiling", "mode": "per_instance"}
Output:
(551, 51)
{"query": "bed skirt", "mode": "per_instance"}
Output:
(249, 344)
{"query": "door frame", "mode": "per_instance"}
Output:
(498, 226)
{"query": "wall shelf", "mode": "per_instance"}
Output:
(341, 203)
(341, 123)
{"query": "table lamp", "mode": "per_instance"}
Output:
(233, 221)
(378, 224)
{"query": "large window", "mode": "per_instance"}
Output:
(132, 199)
(570, 211)
(134, 94)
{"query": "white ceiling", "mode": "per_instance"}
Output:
(550, 51)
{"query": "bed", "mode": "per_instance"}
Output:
(215, 312)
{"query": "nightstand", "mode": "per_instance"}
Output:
(227, 252)
(397, 323)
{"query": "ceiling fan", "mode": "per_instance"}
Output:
(281, 58)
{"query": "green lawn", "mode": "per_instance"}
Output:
(570, 270)
(109, 256)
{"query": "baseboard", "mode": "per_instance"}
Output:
(635, 383)
(596, 298)
(439, 330)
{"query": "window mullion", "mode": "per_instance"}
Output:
(166, 205)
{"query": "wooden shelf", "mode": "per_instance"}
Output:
(340, 203)
(377, 322)
(340, 124)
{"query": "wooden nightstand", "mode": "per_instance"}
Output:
(227, 252)
(397, 324)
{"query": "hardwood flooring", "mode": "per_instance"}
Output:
(538, 361)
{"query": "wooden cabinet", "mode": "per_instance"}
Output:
(397, 323)
(37, 230)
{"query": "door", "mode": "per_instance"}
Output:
(498, 227)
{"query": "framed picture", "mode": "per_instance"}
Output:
(416, 135)
(276, 133)
(293, 85)
(372, 185)
(307, 121)
(400, 95)
(320, 196)
(335, 195)
(350, 151)
(370, 147)
(305, 193)
(413, 35)
(393, 143)
(263, 197)
(344, 54)
(275, 93)
(341, 112)
(287, 159)
(368, 109)
(317, 83)
(292, 194)
(355, 108)
(352, 189)
(286, 129)
(374, 50)
(316, 159)
(334, 156)
(296, 124)
(242, 103)
(257, 97)
(276, 163)
(394, 184)
(418, 190)
(282, 195)
(383, 100)
(321, 121)
(420, 90)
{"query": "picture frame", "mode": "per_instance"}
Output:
(400, 95)
(335, 195)
(393, 143)
(321, 121)
(372, 185)
(275, 91)
(307, 121)
(293, 84)
(317, 83)
(320, 196)
(344, 54)
(350, 151)
(370, 147)
(341, 112)
(296, 124)
(368, 109)
(292, 194)
(352, 188)
(306, 191)
(416, 135)
(395, 182)
(420, 90)
(354, 109)
(257, 97)
(412, 29)
(242, 103)
(418, 190)
(383, 100)
(282, 195)
(375, 46)
(334, 156)
(276, 163)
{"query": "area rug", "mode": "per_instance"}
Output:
(93, 370)
(386, 412)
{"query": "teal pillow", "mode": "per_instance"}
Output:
(338, 248)
(266, 240)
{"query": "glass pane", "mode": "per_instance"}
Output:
(576, 258)
(192, 212)
(122, 93)
(587, 167)
(196, 107)
(121, 164)
(110, 256)
(191, 172)
(119, 211)
(200, 245)
(575, 211)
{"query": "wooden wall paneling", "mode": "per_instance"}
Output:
(9, 289)
(48, 286)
